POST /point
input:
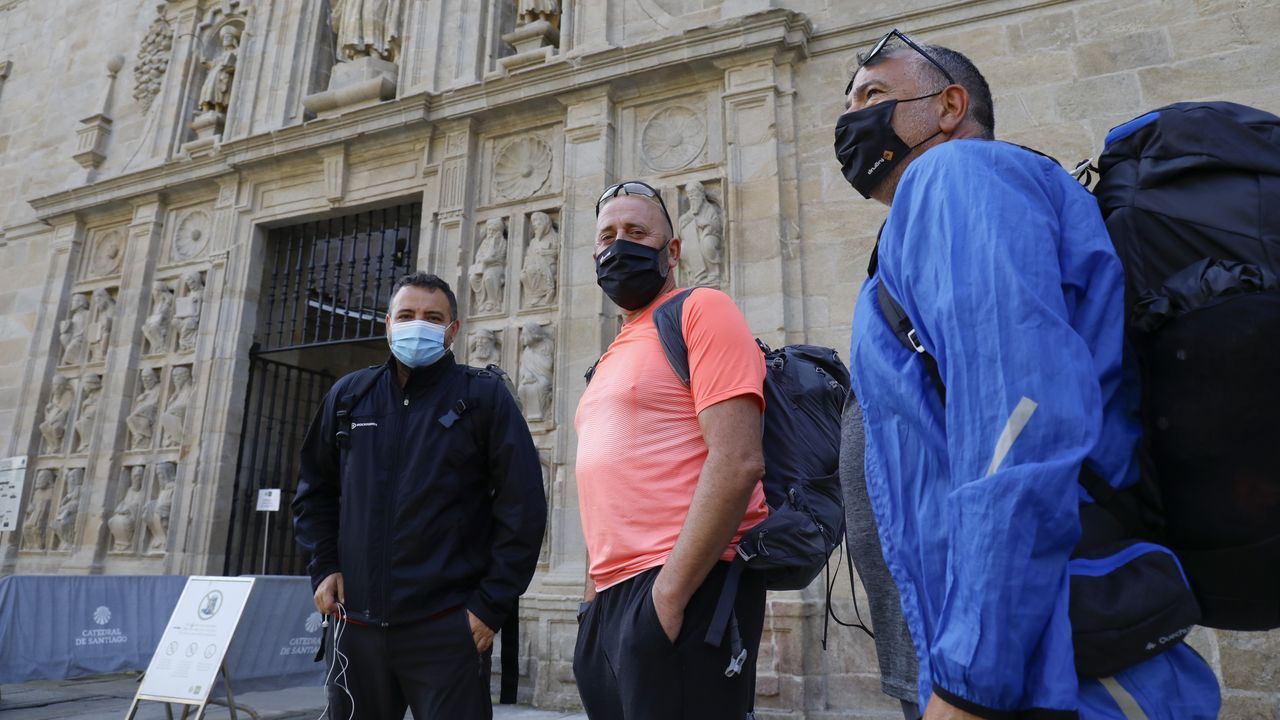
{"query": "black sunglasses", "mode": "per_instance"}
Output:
(895, 33)
(634, 187)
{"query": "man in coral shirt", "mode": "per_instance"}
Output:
(668, 480)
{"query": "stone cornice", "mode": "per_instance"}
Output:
(781, 29)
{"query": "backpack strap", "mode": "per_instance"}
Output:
(905, 331)
(347, 401)
(668, 318)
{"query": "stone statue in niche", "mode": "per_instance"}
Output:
(489, 271)
(104, 311)
(156, 512)
(188, 311)
(156, 327)
(367, 28)
(533, 10)
(701, 228)
(215, 93)
(123, 522)
(483, 348)
(71, 330)
(142, 420)
(91, 388)
(538, 278)
(54, 426)
(536, 359)
(64, 523)
(35, 523)
(175, 413)
(537, 31)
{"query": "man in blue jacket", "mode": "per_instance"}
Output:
(423, 512)
(1002, 264)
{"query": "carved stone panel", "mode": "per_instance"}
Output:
(72, 329)
(53, 426)
(40, 511)
(87, 416)
(174, 417)
(488, 273)
(672, 138)
(539, 275)
(124, 519)
(187, 310)
(521, 168)
(537, 364)
(64, 521)
(155, 514)
(107, 249)
(701, 228)
(484, 347)
(156, 327)
(191, 235)
(152, 62)
(142, 419)
(99, 330)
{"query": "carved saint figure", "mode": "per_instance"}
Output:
(535, 371)
(64, 524)
(123, 522)
(71, 330)
(367, 28)
(215, 94)
(142, 420)
(39, 511)
(489, 271)
(92, 387)
(104, 311)
(482, 348)
(189, 311)
(532, 10)
(156, 327)
(156, 512)
(701, 229)
(54, 426)
(538, 277)
(175, 413)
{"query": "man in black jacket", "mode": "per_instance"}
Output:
(423, 512)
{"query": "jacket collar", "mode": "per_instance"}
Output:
(423, 376)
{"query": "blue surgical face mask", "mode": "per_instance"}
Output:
(417, 343)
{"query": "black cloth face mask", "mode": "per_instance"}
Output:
(630, 274)
(867, 147)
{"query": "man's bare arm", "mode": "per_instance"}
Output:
(735, 463)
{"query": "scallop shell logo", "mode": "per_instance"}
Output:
(313, 622)
(102, 615)
(521, 168)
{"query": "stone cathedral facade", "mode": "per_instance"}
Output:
(203, 204)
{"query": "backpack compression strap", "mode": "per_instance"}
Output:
(356, 390)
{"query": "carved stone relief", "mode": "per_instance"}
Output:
(188, 309)
(156, 512)
(488, 273)
(35, 524)
(367, 28)
(123, 522)
(142, 420)
(541, 262)
(191, 235)
(537, 31)
(701, 228)
(483, 348)
(53, 428)
(156, 327)
(672, 138)
(521, 168)
(64, 523)
(99, 335)
(537, 358)
(90, 389)
(152, 62)
(174, 417)
(107, 251)
(534, 10)
(71, 330)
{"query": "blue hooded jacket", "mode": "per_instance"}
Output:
(1003, 264)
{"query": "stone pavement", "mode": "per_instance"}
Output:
(108, 696)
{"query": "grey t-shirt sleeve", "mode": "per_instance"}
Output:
(898, 664)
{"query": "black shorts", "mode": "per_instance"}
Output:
(627, 669)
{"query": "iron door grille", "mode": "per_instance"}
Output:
(329, 281)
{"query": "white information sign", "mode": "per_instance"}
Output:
(269, 499)
(186, 661)
(13, 472)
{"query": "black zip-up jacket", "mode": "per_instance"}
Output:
(419, 517)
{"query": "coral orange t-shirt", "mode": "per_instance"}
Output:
(640, 447)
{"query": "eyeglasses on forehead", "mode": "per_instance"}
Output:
(634, 187)
(880, 46)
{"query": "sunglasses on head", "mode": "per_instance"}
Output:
(634, 187)
(884, 41)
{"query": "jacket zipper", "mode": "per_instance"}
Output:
(390, 507)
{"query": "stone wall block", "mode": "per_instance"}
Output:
(1097, 96)
(1194, 39)
(1218, 76)
(1050, 31)
(1122, 54)
(1102, 19)
(1250, 660)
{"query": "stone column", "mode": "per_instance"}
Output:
(446, 256)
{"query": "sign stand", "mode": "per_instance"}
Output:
(269, 503)
(192, 652)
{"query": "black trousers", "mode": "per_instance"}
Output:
(627, 669)
(431, 666)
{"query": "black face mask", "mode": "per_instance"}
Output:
(630, 274)
(867, 147)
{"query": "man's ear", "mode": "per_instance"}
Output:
(451, 332)
(388, 322)
(673, 253)
(954, 102)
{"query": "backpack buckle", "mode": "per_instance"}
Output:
(915, 343)
(735, 663)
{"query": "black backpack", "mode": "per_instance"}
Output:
(1191, 197)
(804, 392)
